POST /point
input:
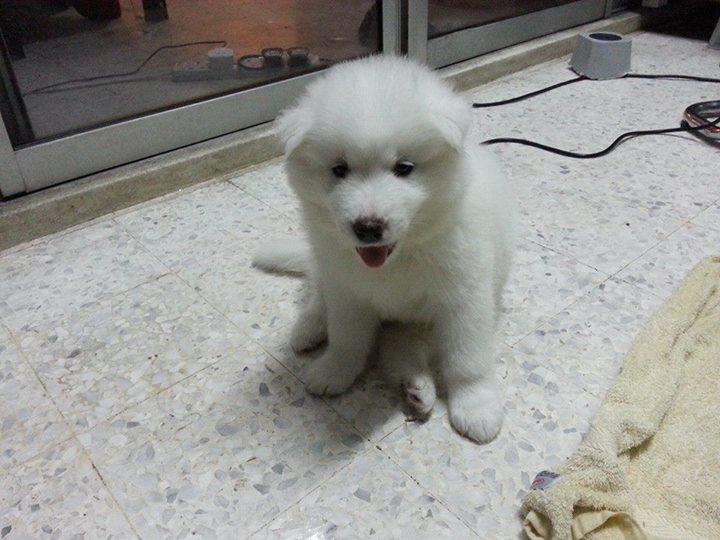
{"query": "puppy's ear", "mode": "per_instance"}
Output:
(451, 119)
(292, 126)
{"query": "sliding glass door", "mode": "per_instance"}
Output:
(456, 30)
(88, 85)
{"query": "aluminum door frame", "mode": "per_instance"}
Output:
(465, 44)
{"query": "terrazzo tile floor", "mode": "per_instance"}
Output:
(148, 390)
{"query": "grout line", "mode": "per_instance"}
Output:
(264, 202)
(86, 453)
(265, 350)
(327, 401)
(312, 490)
(440, 500)
(607, 277)
(64, 420)
(713, 205)
(153, 395)
(68, 425)
(424, 488)
(652, 247)
(544, 319)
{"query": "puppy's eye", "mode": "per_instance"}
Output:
(340, 170)
(403, 168)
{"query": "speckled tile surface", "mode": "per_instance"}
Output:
(208, 237)
(29, 421)
(371, 405)
(554, 382)
(584, 345)
(59, 495)
(370, 498)
(223, 453)
(541, 283)
(116, 353)
(40, 285)
(150, 391)
(662, 270)
(580, 227)
(482, 485)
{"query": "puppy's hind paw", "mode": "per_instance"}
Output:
(419, 395)
(476, 412)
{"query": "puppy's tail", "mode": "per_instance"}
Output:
(283, 257)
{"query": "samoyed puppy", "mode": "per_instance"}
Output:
(410, 234)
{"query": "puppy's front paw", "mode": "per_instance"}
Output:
(476, 411)
(329, 376)
(308, 334)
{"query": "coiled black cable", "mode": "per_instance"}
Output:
(620, 139)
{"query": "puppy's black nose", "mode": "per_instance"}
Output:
(369, 230)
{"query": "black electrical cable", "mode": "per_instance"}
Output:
(619, 140)
(534, 93)
(135, 71)
(529, 94)
(670, 77)
(622, 138)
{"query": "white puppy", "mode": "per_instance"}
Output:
(405, 225)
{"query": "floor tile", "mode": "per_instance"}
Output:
(684, 188)
(29, 420)
(221, 453)
(663, 268)
(193, 232)
(44, 284)
(709, 218)
(59, 495)
(370, 498)
(269, 184)
(370, 404)
(603, 234)
(554, 381)
(209, 237)
(257, 302)
(126, 348)
(584, 345)
(483, 485)
(541, 283)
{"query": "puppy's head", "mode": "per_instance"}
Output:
(372, 149)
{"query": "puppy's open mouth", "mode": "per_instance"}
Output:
(375, 256)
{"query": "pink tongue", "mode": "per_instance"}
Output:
(374, 256)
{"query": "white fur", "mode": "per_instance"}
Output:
(452, 220)
(287, 256)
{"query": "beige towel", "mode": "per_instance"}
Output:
(649, 466)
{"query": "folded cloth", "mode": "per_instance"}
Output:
(649, 466)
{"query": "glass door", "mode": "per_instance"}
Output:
(86, 85)
(460, 29)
